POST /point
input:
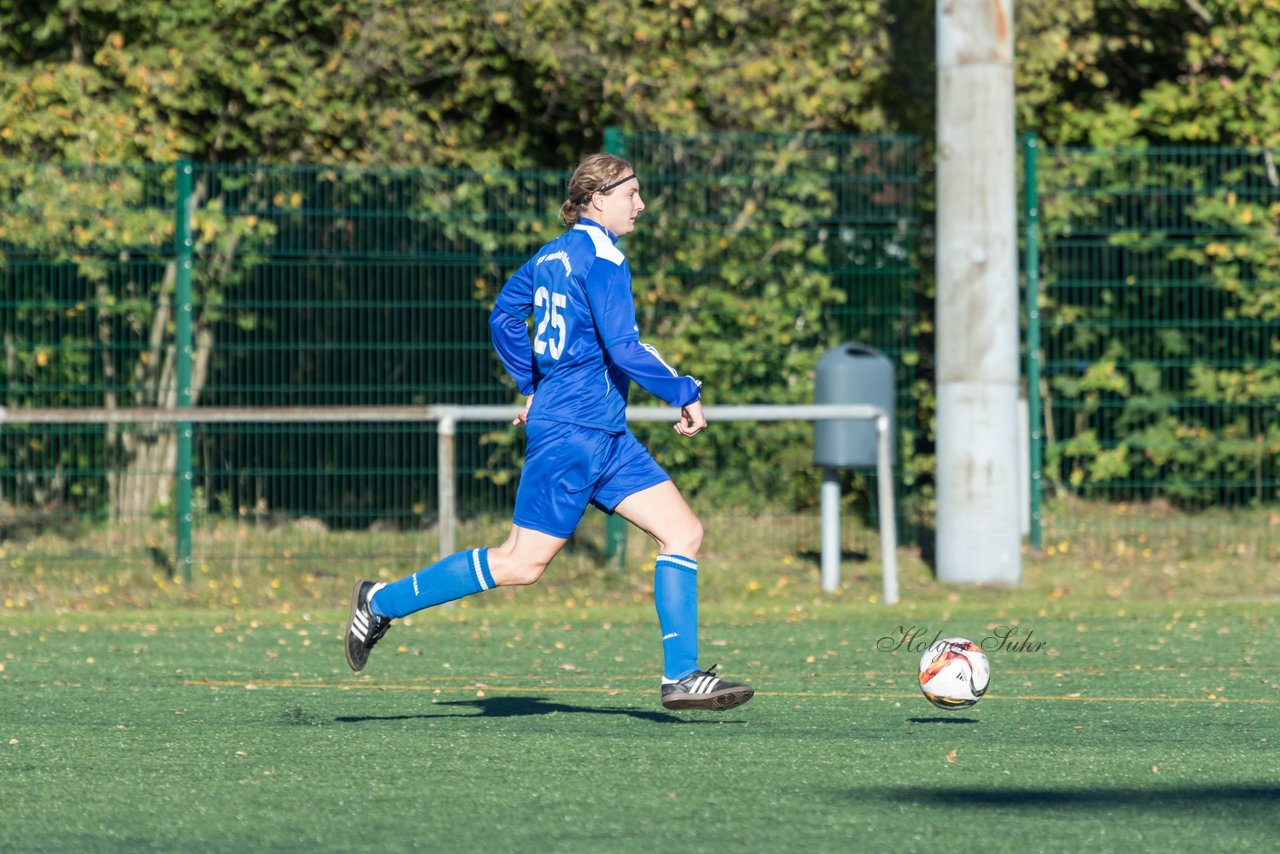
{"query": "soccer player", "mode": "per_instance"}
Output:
(575, 374)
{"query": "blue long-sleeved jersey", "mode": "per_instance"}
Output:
(586, 345)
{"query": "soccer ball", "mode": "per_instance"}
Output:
(954, 673)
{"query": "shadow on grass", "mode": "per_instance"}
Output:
(940, 720)
(516, 707)
(1218, 800)
(846, 556)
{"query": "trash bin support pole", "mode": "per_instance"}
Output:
(888, 520)
(831, 548)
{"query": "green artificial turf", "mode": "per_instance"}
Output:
(503, 726)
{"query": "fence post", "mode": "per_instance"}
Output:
(1031, 266)
(445, 431)
(613, 142)
(615, 527)
(183, 249)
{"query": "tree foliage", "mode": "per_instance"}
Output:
(521, 83)
(1160, 311)
(1141, 72)
(499, 83)
(492, 87)
(1158, 304)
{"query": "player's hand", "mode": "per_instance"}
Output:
(691, 419)
(523, 417)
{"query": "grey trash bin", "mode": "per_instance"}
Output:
(851, 373)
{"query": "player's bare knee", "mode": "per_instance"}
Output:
(517, 573)
(695, 537)
(686, 541)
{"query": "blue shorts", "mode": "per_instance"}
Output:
(567, 467)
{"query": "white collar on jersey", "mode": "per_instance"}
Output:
(588, 221)
(605, 241)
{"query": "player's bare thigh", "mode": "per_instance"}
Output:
(523, 556)
(662, 513)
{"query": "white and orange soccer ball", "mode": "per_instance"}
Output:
(954, 673)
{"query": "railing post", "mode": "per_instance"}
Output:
(183, 251)
(888, 515)
(445, 431)
(1031, 266)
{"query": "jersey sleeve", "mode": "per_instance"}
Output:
(642, 363)
(614, 310)
(509, 333)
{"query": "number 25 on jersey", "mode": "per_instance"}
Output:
(550, 333)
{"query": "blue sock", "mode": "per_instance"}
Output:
(460, 574)
(675, 594)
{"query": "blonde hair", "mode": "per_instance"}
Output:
(594, 173)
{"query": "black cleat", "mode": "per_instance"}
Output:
(703, 689)
(364, 628)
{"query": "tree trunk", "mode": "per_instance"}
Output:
(142, 482)
(105, 342)
(146, 478)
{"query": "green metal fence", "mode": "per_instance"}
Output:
(1159, 362)
(325, 287)
(1153, 360)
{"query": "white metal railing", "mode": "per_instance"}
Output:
(447, 417)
